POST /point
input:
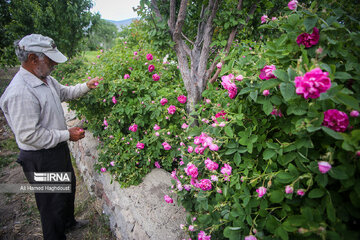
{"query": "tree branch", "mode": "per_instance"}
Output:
(154, 6)
(230, 40)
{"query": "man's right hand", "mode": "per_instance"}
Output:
(76, 133)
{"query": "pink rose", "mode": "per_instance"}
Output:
(292, 4)
(239, 78)
(140, 145)
(266, 92)
(191, 170)
(156, 77)
(354, 113)
(171, 109)
(190, 149)
(191, 228)
(214, 147)
(103, 169)
(264, 18)
(289, 189)
(114, 100)
(166, 146)
(214, 178)
(212, 166)
(324, 167)
(336, 120)
(184, 126)
(307, 39)
(149, 56)
(312, 83)
(126, 76)
(157, 164)
(157, 134)
(219, 65)
(250, 237)
(261, 191)
(105, 123)
(168, 199)
(135, 53)
(156, 127)
(267, 72)
(182, 99)
(276, 112)
(133, 128)
(205, 184)
(163, 101)
(226, 170)
(151, 68)
(300, 192)
(202, 236)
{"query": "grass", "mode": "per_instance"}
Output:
(91, 56)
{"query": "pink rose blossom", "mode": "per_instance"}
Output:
(214, 178)
(171, 109)
(336, 120)
(202, 236)
(182, 99)
(157, 134)
(264, 18)
(358, 153)
(156, 77)
(135, 53)
(226, 170)
(133, 128)
(103, 169)
(239, 78)
(166, 146)
(157, 165)
(205, 184)
(261, 191)
(276, 112)
(105, 123)
(112, 163)
(191, 228)
(168, 199)
(187, 187)
(140, 145)
(114, 100)
(289, 189)
(300, 192)
(250, 237)
(190, 149)
(149, 56)
(212, 166)
(163, 101)
(267, 72)
(96, 83)
(191, 170)
(151, 68)
(324, 167)
(292, 4)
(214, 147)
(126, 76)
(184, 126)
(266, 92)
(219, 65)
(319, 50)
(308, 40)
(312, 83)
(157, 127)
(273, 18)
(354, 113)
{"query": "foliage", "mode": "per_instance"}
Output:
(274, 141)
(101, 34)
(64, 21)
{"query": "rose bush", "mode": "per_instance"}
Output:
(275, 154)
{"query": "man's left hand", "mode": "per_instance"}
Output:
(93, 83)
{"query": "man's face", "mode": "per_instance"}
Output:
(44, 67)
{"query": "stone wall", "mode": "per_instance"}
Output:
(136, 213)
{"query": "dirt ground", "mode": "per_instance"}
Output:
(20, 218)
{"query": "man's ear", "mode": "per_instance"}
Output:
(32, 58)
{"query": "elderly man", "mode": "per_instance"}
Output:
(32, 106)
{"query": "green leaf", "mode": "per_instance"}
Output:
(284, 177)
(254, 95)
(330, 211)
(229, 131)
(316, 193)
(232, 232)
(338, 172)
(268, 84)
(292, 74)
(237, 159)
(280, 231)
(342, 75)
(310, 23)
(281, 74)
(287, 90)
(268, 153)
(277, 196)
(347, 100)
(267, 107)
(332, 133)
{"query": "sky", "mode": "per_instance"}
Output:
(115, 9)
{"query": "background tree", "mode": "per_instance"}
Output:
(66, 21)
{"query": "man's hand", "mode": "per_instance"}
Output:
(93, 83)
(76, 133)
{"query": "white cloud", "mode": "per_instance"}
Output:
(115, 9)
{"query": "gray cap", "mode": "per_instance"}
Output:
(40, 43)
